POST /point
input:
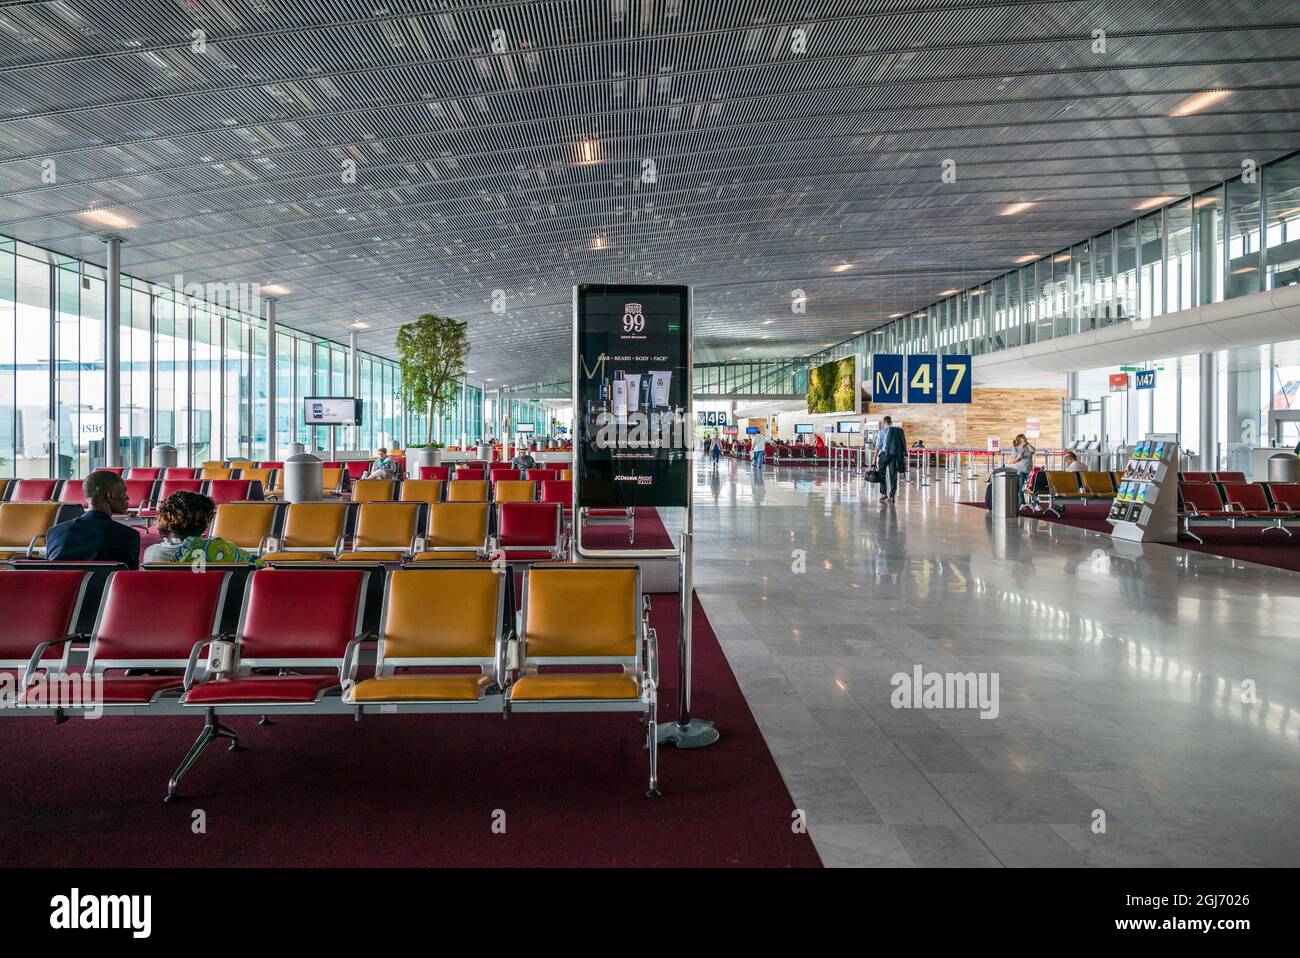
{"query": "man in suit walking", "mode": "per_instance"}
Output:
(891, 457)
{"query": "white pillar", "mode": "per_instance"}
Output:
(1208, 441)
(270, 382)
(113, 354)
(354, 388)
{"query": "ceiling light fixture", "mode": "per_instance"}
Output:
(1154, 201)
(107, 218)
(1200, 101)
(1015, 208)
(588, 151)
(359, 324)
(842, 267)
(949, 292)
(1027, 258)
(275, 289)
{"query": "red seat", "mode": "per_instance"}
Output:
(183, 611)
(145, 472)
(269, 689)
(1196, 477)
(496, 475)
(166, 488)
(35, 490)
(500, 465)
(1251, 499)
(441, 473)
(232, 490)
(530, 530)
(1229, 477)
(139, 493)
(541, 475)
(50, 602)
(174, 472)
(270, 465)
(1286, 496)
(292, 619)
(1203, 498)
(558, 490)
(475, 475)
(73, 491)
(116, 470)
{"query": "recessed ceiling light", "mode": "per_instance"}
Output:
(1154, 201)
(856, 332)
(275, 289)
(1200, 101)
(1206, 201)
(949, 292)
(107, 218)
(768, 322)
(598, 242)
(842, 267)
(893, 316)
(1027, 258)
(1015, 208)
(588, 151)
(359, 325)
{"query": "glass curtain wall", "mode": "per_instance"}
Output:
(193, 374)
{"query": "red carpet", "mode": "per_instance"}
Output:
(406, 791)
(1245, 545)
(650, 533)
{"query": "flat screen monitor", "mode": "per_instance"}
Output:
(331, 411)
(848, 425)
(751, 430)
(526, 427)
(804, 428)
(1079, 407)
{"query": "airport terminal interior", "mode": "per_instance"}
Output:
(649, 433)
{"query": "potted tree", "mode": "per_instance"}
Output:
(431, 352)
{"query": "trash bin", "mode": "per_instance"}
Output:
(1004, 486)
(304, 478)
(1284, 467)
(163, 457)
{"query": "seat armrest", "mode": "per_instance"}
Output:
(1235, 507)
(263, 544)
(34, 663)
(32, 546)
(503, 657)
(348, 667)
(338, 546)
(192, 663)
(652, 658)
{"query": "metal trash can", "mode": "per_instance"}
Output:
(304, 478)
(1284, 467)
(1005, 488)
(163, 456)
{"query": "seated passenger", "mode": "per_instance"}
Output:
(183, 517)
(381, 468)
(524, 460)
(1072, 463)
(93, 536)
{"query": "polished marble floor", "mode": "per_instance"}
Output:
(1148, 696)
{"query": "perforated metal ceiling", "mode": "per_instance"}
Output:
(524, 171)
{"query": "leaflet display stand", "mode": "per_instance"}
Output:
(1146, 504)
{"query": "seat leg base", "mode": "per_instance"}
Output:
(265, 720)
(212, 730)
(696, 734)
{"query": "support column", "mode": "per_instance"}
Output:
(1068, 435)
(1208, 440)
(271, 423)
(113, 354)
(354, 387)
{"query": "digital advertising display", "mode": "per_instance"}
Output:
(631, 375)
(804, 428)
(331, 411)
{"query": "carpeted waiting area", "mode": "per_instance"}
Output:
(407, 790)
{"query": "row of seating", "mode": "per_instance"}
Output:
(1057, 487)
(449, 640)
(1269, 505)
(463, 490)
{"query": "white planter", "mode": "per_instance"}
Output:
(424, 456)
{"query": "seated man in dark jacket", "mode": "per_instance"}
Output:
(94, 535)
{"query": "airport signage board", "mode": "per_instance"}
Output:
(922, 379)
(631, 376)
(956, 379)
(887, 378)
(1145, 379)
(1118, 382)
